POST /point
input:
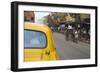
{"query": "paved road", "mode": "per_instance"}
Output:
(70, 50)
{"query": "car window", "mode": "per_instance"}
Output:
(34, 39)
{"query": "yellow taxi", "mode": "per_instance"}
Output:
(38, 43)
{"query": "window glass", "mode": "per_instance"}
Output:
(34, 39)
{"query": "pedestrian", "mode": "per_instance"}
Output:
(76, 36)
(69, 32)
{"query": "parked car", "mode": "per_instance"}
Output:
(38, 43)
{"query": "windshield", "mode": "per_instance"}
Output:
(34, 39)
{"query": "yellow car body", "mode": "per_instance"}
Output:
(47, 52)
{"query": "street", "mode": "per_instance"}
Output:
(68, 50)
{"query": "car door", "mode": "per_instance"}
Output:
(35, 42)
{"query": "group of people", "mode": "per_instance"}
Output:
(71, 33)
(75, 34)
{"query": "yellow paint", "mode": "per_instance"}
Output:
(48, 53)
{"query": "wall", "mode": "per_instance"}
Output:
(5, 27)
